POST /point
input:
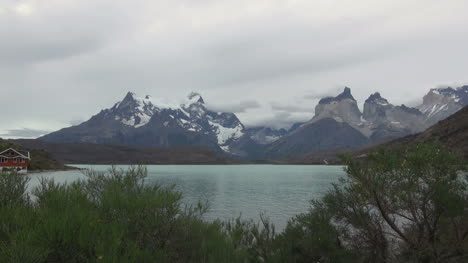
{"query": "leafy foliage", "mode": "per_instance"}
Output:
(405, 205)
(113, 217)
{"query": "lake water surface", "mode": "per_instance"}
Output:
(278, 191)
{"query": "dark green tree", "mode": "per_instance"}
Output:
(403, 205)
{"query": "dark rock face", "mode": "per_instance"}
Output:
(462, 94)
(296, 126)
(375, 108)
(140, 122)
(409, 110)
(324, 134)
(388, 131)
(385, 120)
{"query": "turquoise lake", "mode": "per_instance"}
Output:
(278, 191)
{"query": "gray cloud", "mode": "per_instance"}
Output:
(58, 30)
(239, 107)
(291, 108)
(68, 59)
(280, 120)
(24, 133)
(317, 95)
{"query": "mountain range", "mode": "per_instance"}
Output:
(338, 123)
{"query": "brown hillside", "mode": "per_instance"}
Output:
(83, 153)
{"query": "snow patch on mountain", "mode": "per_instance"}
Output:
(225, 148)
(435, 109)
(223, 134)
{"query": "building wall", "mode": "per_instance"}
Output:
(8, 160)
(10, 163)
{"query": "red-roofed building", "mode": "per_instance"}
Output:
(14, 160)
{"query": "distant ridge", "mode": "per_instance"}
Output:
(88, 153)
(451, 132)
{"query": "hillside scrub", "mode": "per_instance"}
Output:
(397, 206)
(404, 205)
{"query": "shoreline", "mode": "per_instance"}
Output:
(67, 168)
(197, 164)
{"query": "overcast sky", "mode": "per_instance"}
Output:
(62, 61)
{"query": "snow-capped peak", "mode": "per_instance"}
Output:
(195, 97)
(448, 91)
(133, 110)
(128, 99)
(190, 115)
(346, 94)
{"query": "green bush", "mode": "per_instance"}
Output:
(404, 205)
(112, 217)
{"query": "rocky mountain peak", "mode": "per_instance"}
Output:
(376, 98)
(439, 96)
(130, 95)
(446, 95)
(448, 91)
(375, 108)
(129, 98)
(440, 103)
(132, 101)
(458, 95)
(342, 108)
(346, 94)
(383, 119)
(195, 97)
(195, 106)
(133, 110)
(127, 103)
